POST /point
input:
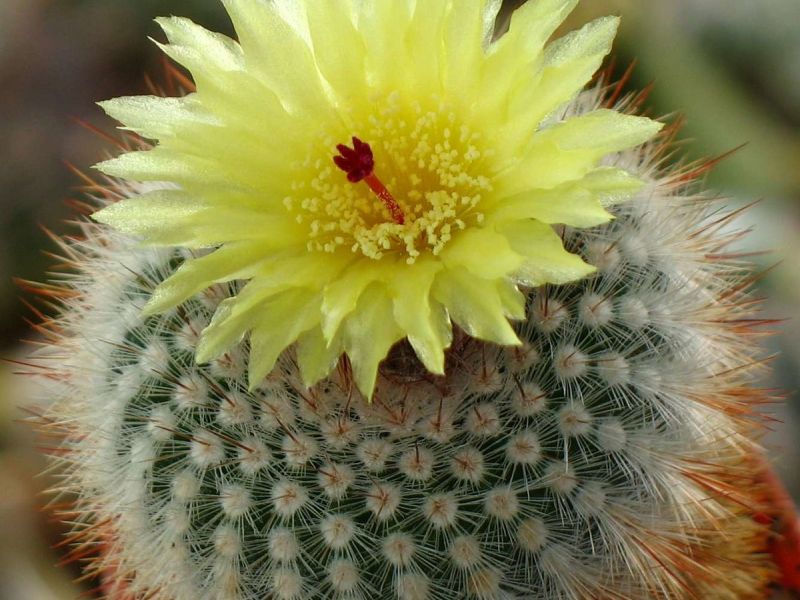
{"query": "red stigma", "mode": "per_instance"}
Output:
(357, 161)
(359, 164)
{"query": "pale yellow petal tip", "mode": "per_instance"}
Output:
(160, 301)
(104, 216)
(204, 354)
(108, 167)
(116, 216)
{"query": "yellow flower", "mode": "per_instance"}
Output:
(374, 171)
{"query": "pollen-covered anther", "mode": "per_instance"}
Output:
(359, 164)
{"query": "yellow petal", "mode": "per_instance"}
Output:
(186, 125)
(425, 44)
(511, 58)
(604, 131)
(548, 261)
(279, 323)
(239, 260)
(611, 185)
(579, 204)
(569, 150)
(475, 305)
(223, 332)
(239, 314)
(491, 10)
(316, 357)
(568, 204)
(204, 229)
(532, 24)
(338, 49)
(156, 117)
(512, 300)
(341, 296)
(217, 50)
(278, 55)
(483, 252)
(384, 27)
(464, 33)
(191, 171)
(163, 165)
(569, 64)
(172, 217)
(208, 56)
(369, 333)
(145, 215)
(424, 320)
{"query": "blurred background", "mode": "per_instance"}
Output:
(732, 67)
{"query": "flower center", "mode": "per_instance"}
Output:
(435, 167)
(359, 163)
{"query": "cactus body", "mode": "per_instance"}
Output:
(607, 457)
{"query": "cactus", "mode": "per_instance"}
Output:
(612, 454)
(608, 457)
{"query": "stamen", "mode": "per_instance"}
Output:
(359, 164)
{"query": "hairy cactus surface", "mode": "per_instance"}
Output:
(608, 457)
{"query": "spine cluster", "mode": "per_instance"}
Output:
(609, 457)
